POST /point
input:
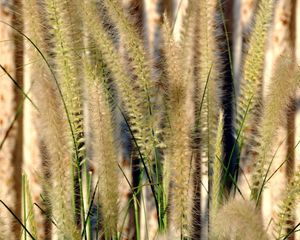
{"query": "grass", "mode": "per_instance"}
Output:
(107, 119)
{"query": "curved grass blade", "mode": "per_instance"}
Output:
(18, 112)
(268, 170)
(19, 221)
(292, 231)
(56, 82)
(89, 211)
(45, 213)
(277, 169)
(19, 87)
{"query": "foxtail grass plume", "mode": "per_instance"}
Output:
(281, 89)
(238, 220)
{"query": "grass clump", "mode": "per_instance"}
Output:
(90, 94)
